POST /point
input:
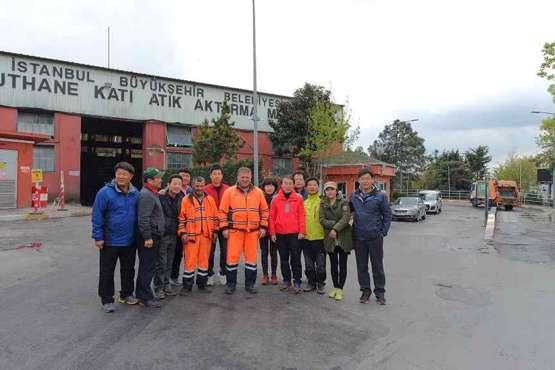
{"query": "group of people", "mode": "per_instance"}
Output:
(187, 219)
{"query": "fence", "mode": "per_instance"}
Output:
(525, 198)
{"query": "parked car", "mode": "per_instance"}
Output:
(408, 208)
(432, 200)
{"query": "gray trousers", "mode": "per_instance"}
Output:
(164, 262)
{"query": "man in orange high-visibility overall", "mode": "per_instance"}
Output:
(243, 217)
(198, 221)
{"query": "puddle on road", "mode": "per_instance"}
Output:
(469, 296)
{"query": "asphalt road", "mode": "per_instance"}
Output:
(450, 306)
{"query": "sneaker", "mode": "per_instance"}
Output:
(339, 295)
(297, 288)
(309, 287)
(184, 292)
(108, 307)
(128, 300)
(229, 290)
(333, 292)
(223, 279)
(152, 303)
(320, 288)
(380, 300)
(365, 297)
(210, 281)
(170, 292)
(203, 290)
(265, 280)
(286, 286)
(175, 282)
(251, 290)
(160, 294)
(274, 280)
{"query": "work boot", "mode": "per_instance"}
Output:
(230, 289)
(130, 300)
(265, 280)
(251, 289)
(365, 297)
(320, 288)
(185, 291)
(274, 280)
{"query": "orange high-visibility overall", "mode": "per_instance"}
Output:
(243, 213)
(199, 221)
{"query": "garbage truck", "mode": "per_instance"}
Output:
(501, 193)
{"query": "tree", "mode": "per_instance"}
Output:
(477, 159)
(546, 141)
(447, 169)
(400, 145)
(523, 170)
(311, 126)
(547, 68)
(216, 141)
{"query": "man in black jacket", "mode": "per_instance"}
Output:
(371, 221)
(151, 227)
(171, 202)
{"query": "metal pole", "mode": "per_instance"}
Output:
(449, 180)
(255, 96)
(553, 189)
(486, 205)
(108, 47)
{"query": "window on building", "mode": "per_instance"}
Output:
(380, 186)
(176, 161)
(342, 187)
(44, 157)
(179, 136)
(282, 166)
(38, 123)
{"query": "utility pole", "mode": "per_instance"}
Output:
(486, 204)
(108, 46)
(255, 96)
(449, 180)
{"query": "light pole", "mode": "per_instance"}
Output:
(449, 180)
(255, 96)
(553, 169)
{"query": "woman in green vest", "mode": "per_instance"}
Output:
(335, 215)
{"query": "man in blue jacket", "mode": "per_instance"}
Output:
(114, 221)
(371, 221)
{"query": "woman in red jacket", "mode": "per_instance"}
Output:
(287, 229)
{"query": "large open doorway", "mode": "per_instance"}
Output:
(105, 142)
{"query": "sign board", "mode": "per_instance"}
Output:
(36, 175)
(81, 89)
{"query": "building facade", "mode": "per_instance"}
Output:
(77, 121)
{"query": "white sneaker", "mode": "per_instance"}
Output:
(223, 280)
(210, 281)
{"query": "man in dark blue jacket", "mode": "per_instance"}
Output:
(371, 221)
(114, 220)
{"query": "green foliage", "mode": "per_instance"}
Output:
(546, 141)
(477, 160)
(523, 170)
(216, 141)
(229, 169)
(400, 145)
(447, 167)
(547, 68)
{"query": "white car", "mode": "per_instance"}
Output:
(432, 200)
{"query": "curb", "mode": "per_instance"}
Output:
(490, 224)
(43, 216)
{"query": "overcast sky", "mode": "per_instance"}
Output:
(466, 69)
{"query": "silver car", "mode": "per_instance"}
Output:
(432, 200)
(408, 208)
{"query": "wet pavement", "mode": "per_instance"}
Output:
(449, 307)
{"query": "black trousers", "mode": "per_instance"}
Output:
(289, 247)
(108, 258)
(147, 263)
(177, 257)
(373, 249)
(314, 261)
(222, 242)
(267, 245)
(338, 264)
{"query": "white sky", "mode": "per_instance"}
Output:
(466, 69)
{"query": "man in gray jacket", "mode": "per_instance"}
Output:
(151, 227)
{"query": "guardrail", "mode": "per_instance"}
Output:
(525, 198)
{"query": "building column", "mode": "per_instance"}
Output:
(68, 155)
(154, 145)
